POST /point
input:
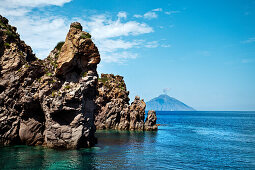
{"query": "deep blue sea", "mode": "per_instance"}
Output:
(185, 140)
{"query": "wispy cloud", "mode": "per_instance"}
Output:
(152, 44)
(116, 39)
(150, 15)
(109, 45)
(250, 40)
(122, 14)
(22, 7)
(44, 31)
(35, 3)
(158, 9)
(138, 16)
(120, 57)
(172, 12)
(166, 45)
(102, 26)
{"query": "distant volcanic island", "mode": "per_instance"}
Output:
(167, 103)
(60, 101)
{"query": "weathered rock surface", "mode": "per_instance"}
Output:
(53, 102)
(151, 120)
(48, 102)
(113, 109)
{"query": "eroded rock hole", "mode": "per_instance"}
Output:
(63, 117)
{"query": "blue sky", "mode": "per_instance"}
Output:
(201, 52)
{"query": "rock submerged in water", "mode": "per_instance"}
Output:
(113, 109)
(59, 102)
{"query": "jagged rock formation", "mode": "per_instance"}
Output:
(151, 120)
(113, 109)
(48, 102)
(53, 102)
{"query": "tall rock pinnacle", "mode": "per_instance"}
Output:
(48, 102)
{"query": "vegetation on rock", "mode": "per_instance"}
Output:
(59, 45)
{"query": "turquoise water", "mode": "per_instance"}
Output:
(185, 140)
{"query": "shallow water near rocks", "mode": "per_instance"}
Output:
(185, 140)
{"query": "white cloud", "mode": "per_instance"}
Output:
(42, 34)
(13, 12)
(115, 38)
(152, 44)
(122, 15)
(22, 7)
(32, 3)
(172, 12)
(158, 9)
(119, 57)
(137, 16)
(108, 34)
(250, 40)
(166, 45)
(109, 45)
(102, 27)
(150, 15)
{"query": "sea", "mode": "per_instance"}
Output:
(184, 140)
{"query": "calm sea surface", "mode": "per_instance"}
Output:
(185, 140)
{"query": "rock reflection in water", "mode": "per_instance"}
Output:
(115, 150)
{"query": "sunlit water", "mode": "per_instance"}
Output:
(185, 140)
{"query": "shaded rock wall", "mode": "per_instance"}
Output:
(48, 102)
(113, 109)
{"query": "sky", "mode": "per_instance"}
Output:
(201, 52)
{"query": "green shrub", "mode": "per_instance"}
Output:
(52, 81)
(67, 87)
(10, 34)
(6, 44)
(54, 64)
(59, 45)
(84, 74)
(2, 25)
(77, 27)
(49, 74)
(53, 93)
(84, 36)
(103, 79)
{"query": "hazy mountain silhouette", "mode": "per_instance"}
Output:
(167, 103)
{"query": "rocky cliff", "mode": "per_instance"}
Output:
(114, 111)
(53, 102)
(48, 102)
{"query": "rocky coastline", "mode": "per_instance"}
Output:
(60, 101)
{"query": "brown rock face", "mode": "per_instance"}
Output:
(137, 113)
(151, 120)
(53, 102)
(78, 53)
(113, 109)
(48, 102)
